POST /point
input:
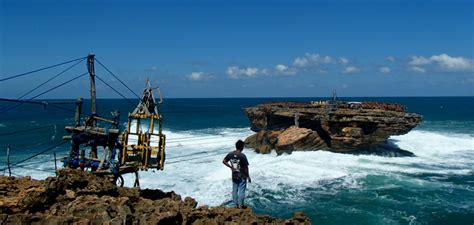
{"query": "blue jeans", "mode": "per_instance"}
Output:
(238, 191)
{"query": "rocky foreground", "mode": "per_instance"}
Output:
(325, 125)
(81, 198)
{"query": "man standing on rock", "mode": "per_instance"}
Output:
(237, 162)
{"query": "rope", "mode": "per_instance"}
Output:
(31, 147)
(37, 169)
(185, 160)
(37, 154)
(34, 71)
(44, 92)
(190, 144)
(38, 102)
(198, 105)
(192, 154)
(116, 77)
(25, 131)
(23, 101)
(43, 103)
(62, 108)
(178, 140)
(128, 100)
(63, 102)
(201, 111)
(28, 145)
(45, 82)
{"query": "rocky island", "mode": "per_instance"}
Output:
(78, 197)
(327, 125)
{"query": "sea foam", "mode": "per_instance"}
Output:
(194, 166)
(206, 179)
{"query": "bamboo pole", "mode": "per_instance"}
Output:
(55, 165)
(8, 161)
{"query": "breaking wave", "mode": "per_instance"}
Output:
(206, 179)
(316, 181)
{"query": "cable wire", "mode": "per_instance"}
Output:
(128, 100)
(62, 108)
(44, 92)
(37, 70)
(185, 160)
(37, 154)
(116, 77)
(50, 79)
(25, 131)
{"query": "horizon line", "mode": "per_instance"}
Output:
(435, 96)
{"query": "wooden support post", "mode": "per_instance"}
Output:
(137, 182)
(78, 112)
(55, 165)
(90, 67)
(297, 119)
(8, 161)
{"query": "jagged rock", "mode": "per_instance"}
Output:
(78, 197)
(339, 126)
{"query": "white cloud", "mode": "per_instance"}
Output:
(282, 69)
(418, 69)
(198, 76)
(235, 72)
(323, 71)
(312, 59)
(452, 64)
(418, 61)
(316, 58)
(351, 69)
(300, 62)
(152, 69)
(391, 58)
(343, 60)
(444, 62)
(468, 81)
(384, 69)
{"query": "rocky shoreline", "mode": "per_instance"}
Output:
(346, 127)
(77, 197)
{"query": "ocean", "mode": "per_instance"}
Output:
(435, 187)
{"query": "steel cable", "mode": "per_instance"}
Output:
(44, 92)
(45, 82)
(37, 70)
(116, 77)
(37, 154)
(108, 85)
(25, 131)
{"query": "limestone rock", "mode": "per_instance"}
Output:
(332, 126)
(78, 197)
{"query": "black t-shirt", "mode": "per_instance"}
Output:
(239, 162)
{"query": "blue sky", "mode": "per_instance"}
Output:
(244, 48)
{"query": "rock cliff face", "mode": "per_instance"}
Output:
(332, 126)
(81, 198)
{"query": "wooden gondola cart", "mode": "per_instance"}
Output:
(141, 146)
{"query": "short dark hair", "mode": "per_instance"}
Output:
(239, 145)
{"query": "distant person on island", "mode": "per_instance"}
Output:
(237, 162)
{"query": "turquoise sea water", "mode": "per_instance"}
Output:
(435, 187)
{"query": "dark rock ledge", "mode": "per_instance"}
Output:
(77, 197)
